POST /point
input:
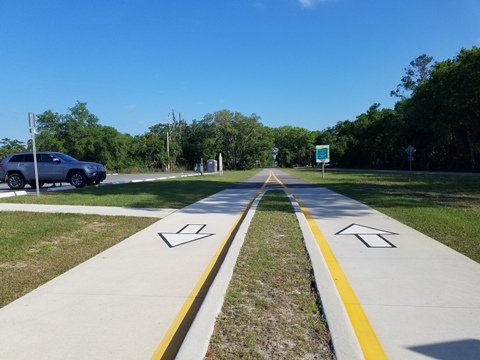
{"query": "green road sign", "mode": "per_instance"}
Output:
(323, 153)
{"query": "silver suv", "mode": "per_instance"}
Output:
(53, 167)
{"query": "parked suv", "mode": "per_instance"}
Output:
(53, 167)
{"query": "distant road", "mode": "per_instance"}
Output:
(111, 178)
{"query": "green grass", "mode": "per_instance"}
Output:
(446, 208)
(169, 193)
(37, 247)
(270, 309)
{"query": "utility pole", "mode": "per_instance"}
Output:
(168, 142)
(31, 123)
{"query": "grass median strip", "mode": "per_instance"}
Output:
(271, 308)
(446, 208)
(37, 247)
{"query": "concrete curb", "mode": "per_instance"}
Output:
(344, 340)
(13, 193)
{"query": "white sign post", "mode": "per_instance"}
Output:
(220, 164)
(31, 123)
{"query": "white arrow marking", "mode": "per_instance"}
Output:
(369, 236)
(188, 233)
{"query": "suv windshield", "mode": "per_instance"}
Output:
(65, 157)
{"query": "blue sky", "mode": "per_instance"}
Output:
(307, 63)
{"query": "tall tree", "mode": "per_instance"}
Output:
(443, 114)
(417, 73)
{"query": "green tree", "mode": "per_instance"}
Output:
(50, 132)
(10, 146)
(443, 114)
(80, 135)
(295, 146)
(417, 73)
(200, 142)
(242, 139)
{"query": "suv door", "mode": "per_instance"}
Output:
(52, 171)
(26, 166)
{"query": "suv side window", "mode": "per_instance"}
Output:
(16, 158)
(28, 158)
(46, 158)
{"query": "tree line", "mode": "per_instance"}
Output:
(437, 112)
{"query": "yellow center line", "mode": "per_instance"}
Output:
(172, 338)
(368, 340)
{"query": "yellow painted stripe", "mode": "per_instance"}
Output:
(167, 339)
(368, 340)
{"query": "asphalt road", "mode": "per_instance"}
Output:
(111, 179)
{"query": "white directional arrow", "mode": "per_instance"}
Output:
(188, 233)
(369, 236)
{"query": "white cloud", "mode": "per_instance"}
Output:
(310, 3)
(131, 107)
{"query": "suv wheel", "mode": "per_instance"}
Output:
(16, 181)
(78, 179)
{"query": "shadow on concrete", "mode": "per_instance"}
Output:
(467, 349)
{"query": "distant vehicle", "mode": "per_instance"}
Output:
(53, 167)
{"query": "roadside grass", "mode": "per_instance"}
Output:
(168, 193)
(37, 247)
(271, 308)
(444, 207)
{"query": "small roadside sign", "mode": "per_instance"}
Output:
(322, 153)
(410, 150)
